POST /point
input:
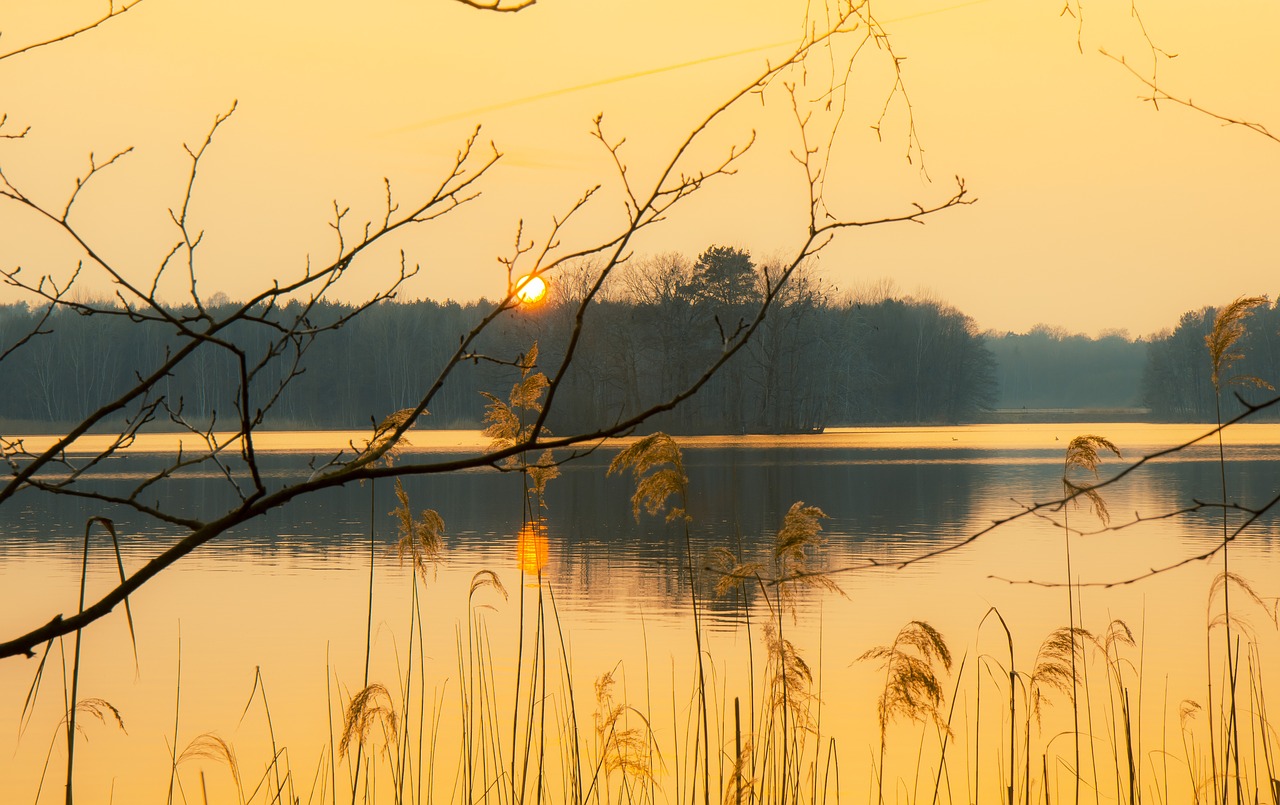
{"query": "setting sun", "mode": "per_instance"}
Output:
(530, 289)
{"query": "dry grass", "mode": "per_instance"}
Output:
(210, 746)
(657, 466)
(1228, 329)
(1083, 454)
(911, 689)
(421, 538)
(371, 707)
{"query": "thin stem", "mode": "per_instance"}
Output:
(1233, 729)
(75, 672)
(1071, 628)
(368, 635)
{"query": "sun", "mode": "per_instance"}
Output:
(530, 289)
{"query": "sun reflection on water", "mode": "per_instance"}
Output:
(532, 547)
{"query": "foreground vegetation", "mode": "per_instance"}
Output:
(979, 716)
(1074, 715)
(983, 717)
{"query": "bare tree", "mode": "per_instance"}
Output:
(808, 85)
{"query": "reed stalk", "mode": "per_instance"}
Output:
(177, 709)
(1228, 329)
(945, 735)
(977, 735)
(75, 674)
(575, 766)
(1083, 453)
(368, 635)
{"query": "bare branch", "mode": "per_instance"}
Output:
(4, 135)
(1158, 94)
(112, 13)
(497, 5)
(263, 374)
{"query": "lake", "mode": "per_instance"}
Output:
(281, 606)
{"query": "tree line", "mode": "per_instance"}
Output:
(818, 360)
(1177, 383)
(1048, 367)
(1167, 373)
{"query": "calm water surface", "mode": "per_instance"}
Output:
(287, 595)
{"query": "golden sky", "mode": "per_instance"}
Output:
(1095, 211)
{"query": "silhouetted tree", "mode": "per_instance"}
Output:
(723, 277)
(1177, 382)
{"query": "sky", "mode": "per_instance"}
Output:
(1095, 211)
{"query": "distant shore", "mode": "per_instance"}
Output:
(1007, 435)
(1025, 414)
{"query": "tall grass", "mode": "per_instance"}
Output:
(1082, 454)
(1228, 329)
(585, 739)
(541, 730)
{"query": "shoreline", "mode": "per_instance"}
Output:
(976, 436)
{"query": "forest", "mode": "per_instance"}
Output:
(1050, 368)
(1177, 383)
(817, 361)
(821, 358)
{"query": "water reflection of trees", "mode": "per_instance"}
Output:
(881, 504)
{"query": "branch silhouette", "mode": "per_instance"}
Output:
(112, 12)
(290, 314)
(1042, 509)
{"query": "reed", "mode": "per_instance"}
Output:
(523, 736)
(912, 690)
(1228, 329)
(621, 754)
(658, 468)
(1083, 453)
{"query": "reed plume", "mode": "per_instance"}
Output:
(382, 445)
(505, 424)
(1118, 633)
(1219, 586)
(422, 539)
(371, 706)
(742, 785)
(486, 578)
(1083, 454)
(623, 747)
(791, 555)
(911, 689)
(791, 679)
(1228, 329)
(1055, 667)
(732, 571)
(1187, 711)
(99, 709)
(799, 533)
(211, 746)
(657, 466)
